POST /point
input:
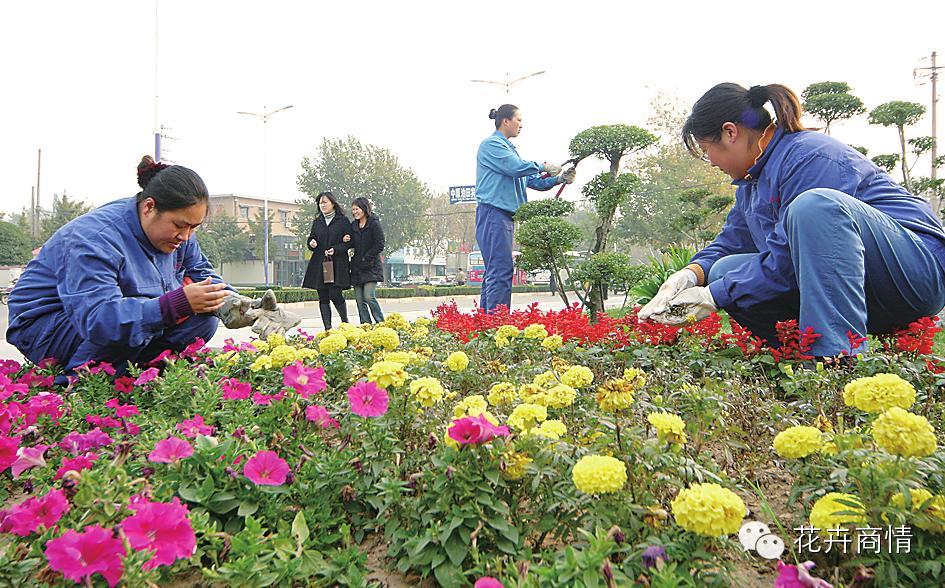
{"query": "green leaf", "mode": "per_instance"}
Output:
(247, 508)
(188, 493)
(300, 527)
(448, 576)
(456, 549)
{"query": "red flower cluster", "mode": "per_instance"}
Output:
(917, 338)
(795, 343)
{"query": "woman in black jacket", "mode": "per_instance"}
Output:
(367, 240)
(329, 241)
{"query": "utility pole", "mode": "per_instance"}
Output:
(157, 126)
(33, 212)
(933, 75)
(36, 209)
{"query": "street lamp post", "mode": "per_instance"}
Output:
(264, 117)
(507, 84)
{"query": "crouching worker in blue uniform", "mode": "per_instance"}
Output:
(128, 280)
(818, 233)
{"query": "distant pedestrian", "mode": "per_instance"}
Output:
(367, 240)
(329, 249)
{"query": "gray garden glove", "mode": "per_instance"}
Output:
(269, 322)
(689, 306)
(552, 169)
(568, 176)
(674, 284)
(236, 310)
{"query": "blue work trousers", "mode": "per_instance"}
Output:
(856, 270)
(494, 230)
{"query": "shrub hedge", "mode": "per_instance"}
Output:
(304, 295)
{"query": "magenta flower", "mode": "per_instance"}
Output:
(195, 426)
(163, 528)
(76, 464)
(304, 379)
(126, 410)
(194, 349)
(80, 555)
(266, 469)
(233, 389)
(9, 366)
(146, 376)
(170, 450)
(368, 400)
(267, 399)
(490, 431)
(8, 451)
(27, 516)
(8, 388)
(465, 431)
(43, 403)
(167, 354)
(76, 443)
(488, 582)
(124, 384)
(319, 415)
(28, 457)
(799, 576)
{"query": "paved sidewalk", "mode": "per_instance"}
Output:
(411, 308)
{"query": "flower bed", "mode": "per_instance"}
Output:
(519, 449)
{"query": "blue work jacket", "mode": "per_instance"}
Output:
(791, 164)
(501, 175)
(103, 274)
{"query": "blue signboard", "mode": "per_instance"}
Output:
(462, 194)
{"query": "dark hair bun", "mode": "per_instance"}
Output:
(492, 114)
(758, 95)
(147, 169)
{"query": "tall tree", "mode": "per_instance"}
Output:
(257, 232)
(64, 210)
(223, 239)
(899, 114)
(14, 245)
(348, 169)
(831, 101)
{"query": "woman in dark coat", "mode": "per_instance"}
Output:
(367, 240)
(329, 240)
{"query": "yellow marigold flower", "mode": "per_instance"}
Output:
(669, 427)
(457, 361)
(262, 362)
(306, 353)
(825, 513)
(421, 332)
(830, 448)
(385, 337)
(709, 510)
(599, 474)
(879, 393)
(423, 322)
(525, 416)
(275, 340)
(387, 374)
(398, 356)
(634, 376)
(535, 331)
(502, 342)
(902, 433)
(423, 353)
(551, 429)
(615, 395)
(933, 519)
(428, 391)
(282, 355)
(502, 393)
(533, 394)
(260, 345)
(552, 342)
(332, 344)
(561, 396)
(474, 405)
(516, 465)
(395, 320)
(545, 379)
(797, 442)
(507, 331)
(578, 376)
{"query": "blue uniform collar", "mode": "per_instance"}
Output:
(754, 172)
(131, 217)
(505, 139)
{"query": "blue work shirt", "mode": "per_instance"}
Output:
(104, 273)
(501, 175)
(791, 164)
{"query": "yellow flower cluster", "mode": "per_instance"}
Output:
(260, 345)
(502, 393)
(525, 416)
(552, 342)
(669, 427)
(427, 391)
(879, 393)
(395, 320)
(599, 474)
(507, 331)
(387, 374)
(561, 396)
(262, 362)
(516, 465)
(797, 442)
(709, 510)
(423, 322)
(350, 332)
(578, 376)
(533, 394)
(275, 340)
(283, 355)
(545, 379)
(551, 429)
(457, 361)
(474, 405)
(934, 513)
(384, 337)
(332, 344)
(535, 331)
(825, 513)
(403, 357)
(635, 376)
(902, 433)
(615, 394)
(420, 332)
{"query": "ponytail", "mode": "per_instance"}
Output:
(730, 102)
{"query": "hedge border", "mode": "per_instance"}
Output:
(305, 295)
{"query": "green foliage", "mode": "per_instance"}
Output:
(607, 194)
(673, 259)
(223, 239)
(862, 150)
(14, 245)
(614, 269)
(257, 232)
(63, 211)
(549, 207)
(831, 101)
(348, 169)
(544, 242)
(886, 162)
(921, 145)
(897, 114)
(610, 142)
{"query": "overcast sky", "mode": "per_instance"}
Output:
(79, 78)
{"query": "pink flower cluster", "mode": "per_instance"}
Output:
(233, 389)
(170, 450)
(319, 415)
(80, 555)
(195, 426)
(76, 464)
(76, 443)
(305, 380)
(266, 468)
(368, 400)
(27, 516)
(477, 429)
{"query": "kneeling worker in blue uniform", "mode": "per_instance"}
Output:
(128, 280)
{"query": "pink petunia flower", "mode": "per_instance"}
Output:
(103, 422)
(368, 400)
(34, 380)
(165, 356)
(490, 431)
(304, 379)
(44, 403)
(488, 582)
(126, 410)
(194, 349)
(267, 399)
(163, 528)
(9, 366)
(28, 457)
(27, 516)
(8, 451)
(146, 376)
(266, 468)
(319, 415)
(80, 555)
(170, 450)
(465, 431)
(77, 464)
(8, 388)
(76, 443)
(233, 389)
(124, 384)
(195, 426)
(799, 576)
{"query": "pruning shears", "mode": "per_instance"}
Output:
(573, 162)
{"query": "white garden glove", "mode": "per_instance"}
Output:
(240, 311)
(674, 284)
(568, 176)
(552, 169)
(270, 322)
(689, 306)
